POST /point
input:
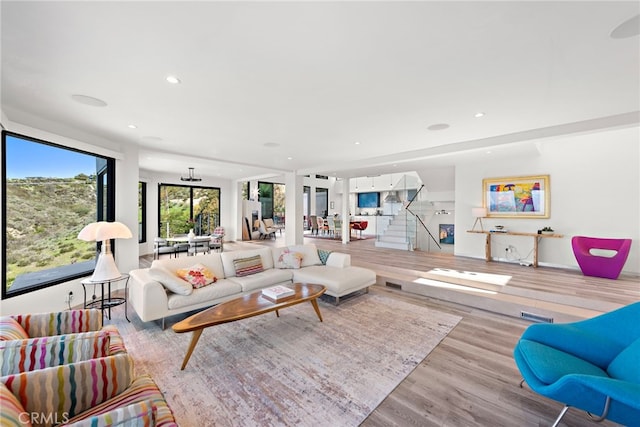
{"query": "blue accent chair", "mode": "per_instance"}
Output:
(593, 364)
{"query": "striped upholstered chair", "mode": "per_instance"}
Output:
(37, 341)
(100, 391)
(40, 325)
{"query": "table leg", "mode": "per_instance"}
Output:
(535, 251)
(126, 297)
(109, 300)
(192, 345)
(314, 303)
(487, 248)
(277, 313)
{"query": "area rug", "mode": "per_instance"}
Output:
(292, 370)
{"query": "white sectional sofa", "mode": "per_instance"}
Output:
(158, 291)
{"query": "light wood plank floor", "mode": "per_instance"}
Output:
(470, 379)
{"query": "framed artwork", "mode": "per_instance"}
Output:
(517, 197)
(447, 234)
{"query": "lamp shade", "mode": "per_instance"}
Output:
(479, 212)
(105, 268)
(103, 230)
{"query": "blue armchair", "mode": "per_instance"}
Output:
(593, 364)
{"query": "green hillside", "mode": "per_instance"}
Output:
(44, 217)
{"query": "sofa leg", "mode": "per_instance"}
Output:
(337, 300)
(163, 323)
(564, 411)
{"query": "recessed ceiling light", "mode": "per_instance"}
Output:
(173, 80)
(478, 114)
(271, 144)
(89, 100)
(438, 126)
(629, 28)
(357, 142)
(289, 158)
(132, 126)
(489, 152)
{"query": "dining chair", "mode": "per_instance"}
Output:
(313, 222)
(198, 245)
(331, 226)
(161, 246)
(322, 227)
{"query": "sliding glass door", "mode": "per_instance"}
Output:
(182, 208)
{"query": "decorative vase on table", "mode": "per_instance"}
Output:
(191, 234)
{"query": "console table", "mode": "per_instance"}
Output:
(536, 240)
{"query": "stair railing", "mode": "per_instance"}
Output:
(419, 219)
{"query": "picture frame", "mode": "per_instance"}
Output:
(447, 234)
(517, 197)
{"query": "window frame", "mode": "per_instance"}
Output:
(191, 189)
(105, 209)
(142, 225)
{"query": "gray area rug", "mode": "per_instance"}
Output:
(292, 370)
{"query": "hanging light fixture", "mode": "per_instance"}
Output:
(442, 212)
(191, 178)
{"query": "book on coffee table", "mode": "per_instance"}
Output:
(277, 292)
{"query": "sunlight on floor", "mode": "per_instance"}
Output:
(494, 279)
(437, 284)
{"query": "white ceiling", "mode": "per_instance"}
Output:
(317, 77)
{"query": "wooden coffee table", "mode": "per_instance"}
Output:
(241, 308)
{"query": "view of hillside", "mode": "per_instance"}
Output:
(43, 222)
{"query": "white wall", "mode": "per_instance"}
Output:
(595, 189)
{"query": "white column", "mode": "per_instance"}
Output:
(346, 229)
(294, 233)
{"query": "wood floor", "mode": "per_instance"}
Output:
(470, 379)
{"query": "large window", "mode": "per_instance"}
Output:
(181, 208)
(49, 194)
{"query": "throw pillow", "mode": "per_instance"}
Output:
(198, 275)
(170, 280)
(10, 329)
(248, 266)
(324, 256)
(289, 259)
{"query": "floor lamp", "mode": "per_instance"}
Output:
(106, 268)
(478, 213)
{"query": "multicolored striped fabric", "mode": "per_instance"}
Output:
(59, 323)
(12, 413)
(142, 389)
(68, 390)
(116, 344)
(248, 266)
(10, 329)
(141, 414)
(43, 352)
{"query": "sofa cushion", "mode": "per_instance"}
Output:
(626, 366)
(549, 364)
(197, 275)
(228, 258)
(248, 266)
(267, 278)
(222, 288)
(339, 281)
(10, 329)
(309, 254)
(211, 260)
(12, 414)
(43, 352)
(170, 280)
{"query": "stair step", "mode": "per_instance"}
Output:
(390, 245)
(393, 239)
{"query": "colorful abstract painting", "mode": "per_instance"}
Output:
(526, 196)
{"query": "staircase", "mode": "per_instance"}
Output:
(399, 233)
